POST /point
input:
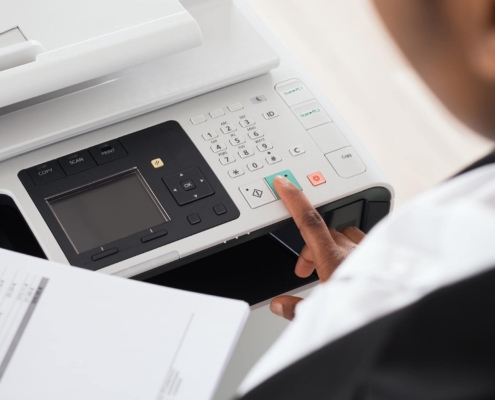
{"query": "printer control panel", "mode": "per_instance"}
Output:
(245, 139)
(128, 195)
(214, 161)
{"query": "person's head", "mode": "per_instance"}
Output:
(451, 43)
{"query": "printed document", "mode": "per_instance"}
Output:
(67, 333)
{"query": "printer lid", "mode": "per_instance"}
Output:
(48, 45)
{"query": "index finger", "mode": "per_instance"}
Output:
(312, 226)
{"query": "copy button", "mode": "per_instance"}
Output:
(45, 173)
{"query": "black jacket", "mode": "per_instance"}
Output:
(439, 348)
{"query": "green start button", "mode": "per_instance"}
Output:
(287, 174)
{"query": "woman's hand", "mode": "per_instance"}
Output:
(325, 248)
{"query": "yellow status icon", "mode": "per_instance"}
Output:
(157, 162)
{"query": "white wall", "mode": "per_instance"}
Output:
(414, 140)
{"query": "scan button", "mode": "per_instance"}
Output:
(257, 193)
(293, 92)
(311, 114)
(77, 162)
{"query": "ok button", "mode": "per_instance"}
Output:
(257, 193)
(188, 185)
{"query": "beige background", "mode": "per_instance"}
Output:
(342, 45)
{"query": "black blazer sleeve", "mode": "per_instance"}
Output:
(440, 348)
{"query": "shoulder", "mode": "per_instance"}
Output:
(437, 347)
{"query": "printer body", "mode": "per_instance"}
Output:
(163, 171)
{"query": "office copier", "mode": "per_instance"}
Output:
(141, 139)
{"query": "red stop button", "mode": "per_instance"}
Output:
(316, 178)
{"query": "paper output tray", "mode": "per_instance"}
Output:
(67, 43)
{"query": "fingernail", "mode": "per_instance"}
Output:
(282, 180)
(277, 309)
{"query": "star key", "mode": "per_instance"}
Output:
(236, 172)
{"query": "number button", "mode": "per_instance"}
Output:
(234, 173)
(256, 135)
(228, 129)
(255, 166)
(246, 122)
(228, 159)
(237, 140)
(210, 135)
(265, 146)
(246, 153)
(218, 147)
(273, 159)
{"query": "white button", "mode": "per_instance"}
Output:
(270, 114)
(198, 120)
(293, 92)
(227, 159)
(237, 140)
(273, 159)
(258, 99)
(264, 146)
(228, 128)
(210, 135)
(218, 147)
(297, 150)
(246, 122)
(257, 194)
(236, 107)
(346, 162)
(311, 114)
(255, 166)
(256, 134)
(234, 173)
(217, 113)
(246, 153)
(328, 137)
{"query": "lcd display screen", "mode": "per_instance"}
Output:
(107, 210)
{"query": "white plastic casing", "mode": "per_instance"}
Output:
(70, 43)
(284, 132)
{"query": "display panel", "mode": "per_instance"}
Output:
(107, 210)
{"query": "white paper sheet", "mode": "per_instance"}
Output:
(66, 333)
